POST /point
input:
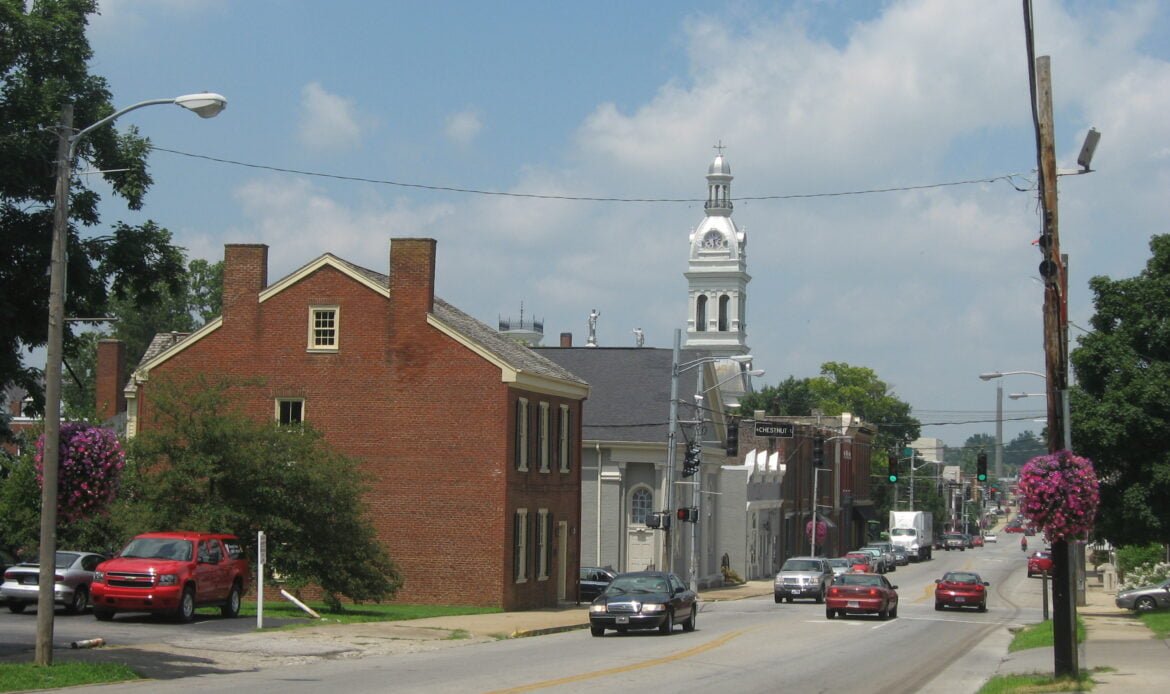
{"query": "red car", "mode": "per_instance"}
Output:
(960, 589)
(860, 561)
(864, 593)
(976, 540)
(1040, 562)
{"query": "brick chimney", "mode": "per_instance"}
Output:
(412, 278)
(566, 339)
(245, 274)
(111, 374)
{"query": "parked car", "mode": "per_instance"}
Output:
(954, 541)
(862, 593)
(880, 565)
(887, 550)
(960, 589)
(861, 561)
(7, 559)
(1145, 598)
(72, 577)
(840, 565)
(644, 600)
(172, 573)
(901, 558)
(1014, 527)
(1040, 562)
(594, 580)
(803, 577)
(990, 537)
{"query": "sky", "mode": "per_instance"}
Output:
(352, 122)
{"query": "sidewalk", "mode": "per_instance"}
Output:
(1115, 639)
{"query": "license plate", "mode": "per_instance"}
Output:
(960, 599)
(623, 620)
(851, 603)
(29, 580)
(795, 591)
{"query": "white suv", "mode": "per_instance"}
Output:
(803, 577)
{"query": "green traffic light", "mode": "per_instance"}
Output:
(982, 478)
(893, 478)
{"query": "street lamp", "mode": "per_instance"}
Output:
(997, 375)
(672, 431)
(205, 105)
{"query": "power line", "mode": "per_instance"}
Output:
(1008, 178)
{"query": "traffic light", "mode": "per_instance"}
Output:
(981, 467)
(893, 465)
(733, 437)
(653, 520)
(687, 515)
(818, 450)
(691, 459)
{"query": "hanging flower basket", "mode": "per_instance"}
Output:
(89, 469)
(822, 530)
(1060, 495)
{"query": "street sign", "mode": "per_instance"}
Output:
(779, 430)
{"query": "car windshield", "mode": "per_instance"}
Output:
(801, 565)
(839, 562)
(903, 532)
(158, 548)
(639, 584)
(858, 580)
(958, 577)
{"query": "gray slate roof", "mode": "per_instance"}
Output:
(629, 397)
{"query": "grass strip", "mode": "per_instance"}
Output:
(18, 677)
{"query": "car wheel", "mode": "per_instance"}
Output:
(689, 625)
(779, 598)
(894, 612)
(821, 596)
(1144, 604)
(103, 615)
(789, 598)
(884, 614)
(186, 610)
(667, 625)
(597, 631)
(938, 607)
(1029, 574)
(983, 607)
(79, 602)
(16, 607)
(830, 614)
(231, 608)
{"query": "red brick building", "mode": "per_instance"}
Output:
(473, 440)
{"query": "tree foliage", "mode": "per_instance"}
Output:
(1120, 407)
(216, 469)
(44, 65)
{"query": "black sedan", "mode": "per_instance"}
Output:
(644, 600)
(593, 581)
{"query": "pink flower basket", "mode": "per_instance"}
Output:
(1060, 495)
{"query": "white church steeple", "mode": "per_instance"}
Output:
(717, 275)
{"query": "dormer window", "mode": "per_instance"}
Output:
(324, 322)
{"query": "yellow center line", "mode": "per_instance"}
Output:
(710, 645)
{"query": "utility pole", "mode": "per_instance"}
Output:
(1055, 360)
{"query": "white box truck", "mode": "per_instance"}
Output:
(914, 532)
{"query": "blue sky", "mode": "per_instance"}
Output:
(626, 99)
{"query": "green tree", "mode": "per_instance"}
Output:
(789, 398)
(1120, 407)
(44, 65)
(198, 299)
(212, 466)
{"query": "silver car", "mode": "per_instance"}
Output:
(1145, 598)
(887, 550)
(803, 577)
(74, 574)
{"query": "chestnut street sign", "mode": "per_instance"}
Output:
(779, 430)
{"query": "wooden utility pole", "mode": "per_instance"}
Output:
(1056, 363)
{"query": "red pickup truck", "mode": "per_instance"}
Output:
(172, 573)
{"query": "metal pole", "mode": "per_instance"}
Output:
(911, 479)
(53, 360)
(999, 429)
(672, 432)
(812, 533)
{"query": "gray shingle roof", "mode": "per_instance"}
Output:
(629, 397)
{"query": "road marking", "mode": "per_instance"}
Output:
(702, 648)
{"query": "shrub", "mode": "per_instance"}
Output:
(1145, 575)
(1130, 557)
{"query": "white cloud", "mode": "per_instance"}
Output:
(463, 127)
(328, 121)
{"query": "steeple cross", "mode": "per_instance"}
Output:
(720, 147)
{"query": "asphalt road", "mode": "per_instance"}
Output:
(751, 645)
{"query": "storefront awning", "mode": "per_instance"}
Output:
(865, 513)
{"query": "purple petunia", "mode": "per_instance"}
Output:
(1060, 495)
(89, 465)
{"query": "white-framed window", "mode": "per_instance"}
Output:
(565, 436)
(641, 505)
(324, 328)
(543, 442)
(542, 544)
(520, 545)
(290, 411)
(522, 434)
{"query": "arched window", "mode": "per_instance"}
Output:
(701, 313)
(641, 504)
(723, 302)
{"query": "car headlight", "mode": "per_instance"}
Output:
(653, 608)
(597, 609)
(168, 580)
(99, 576)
